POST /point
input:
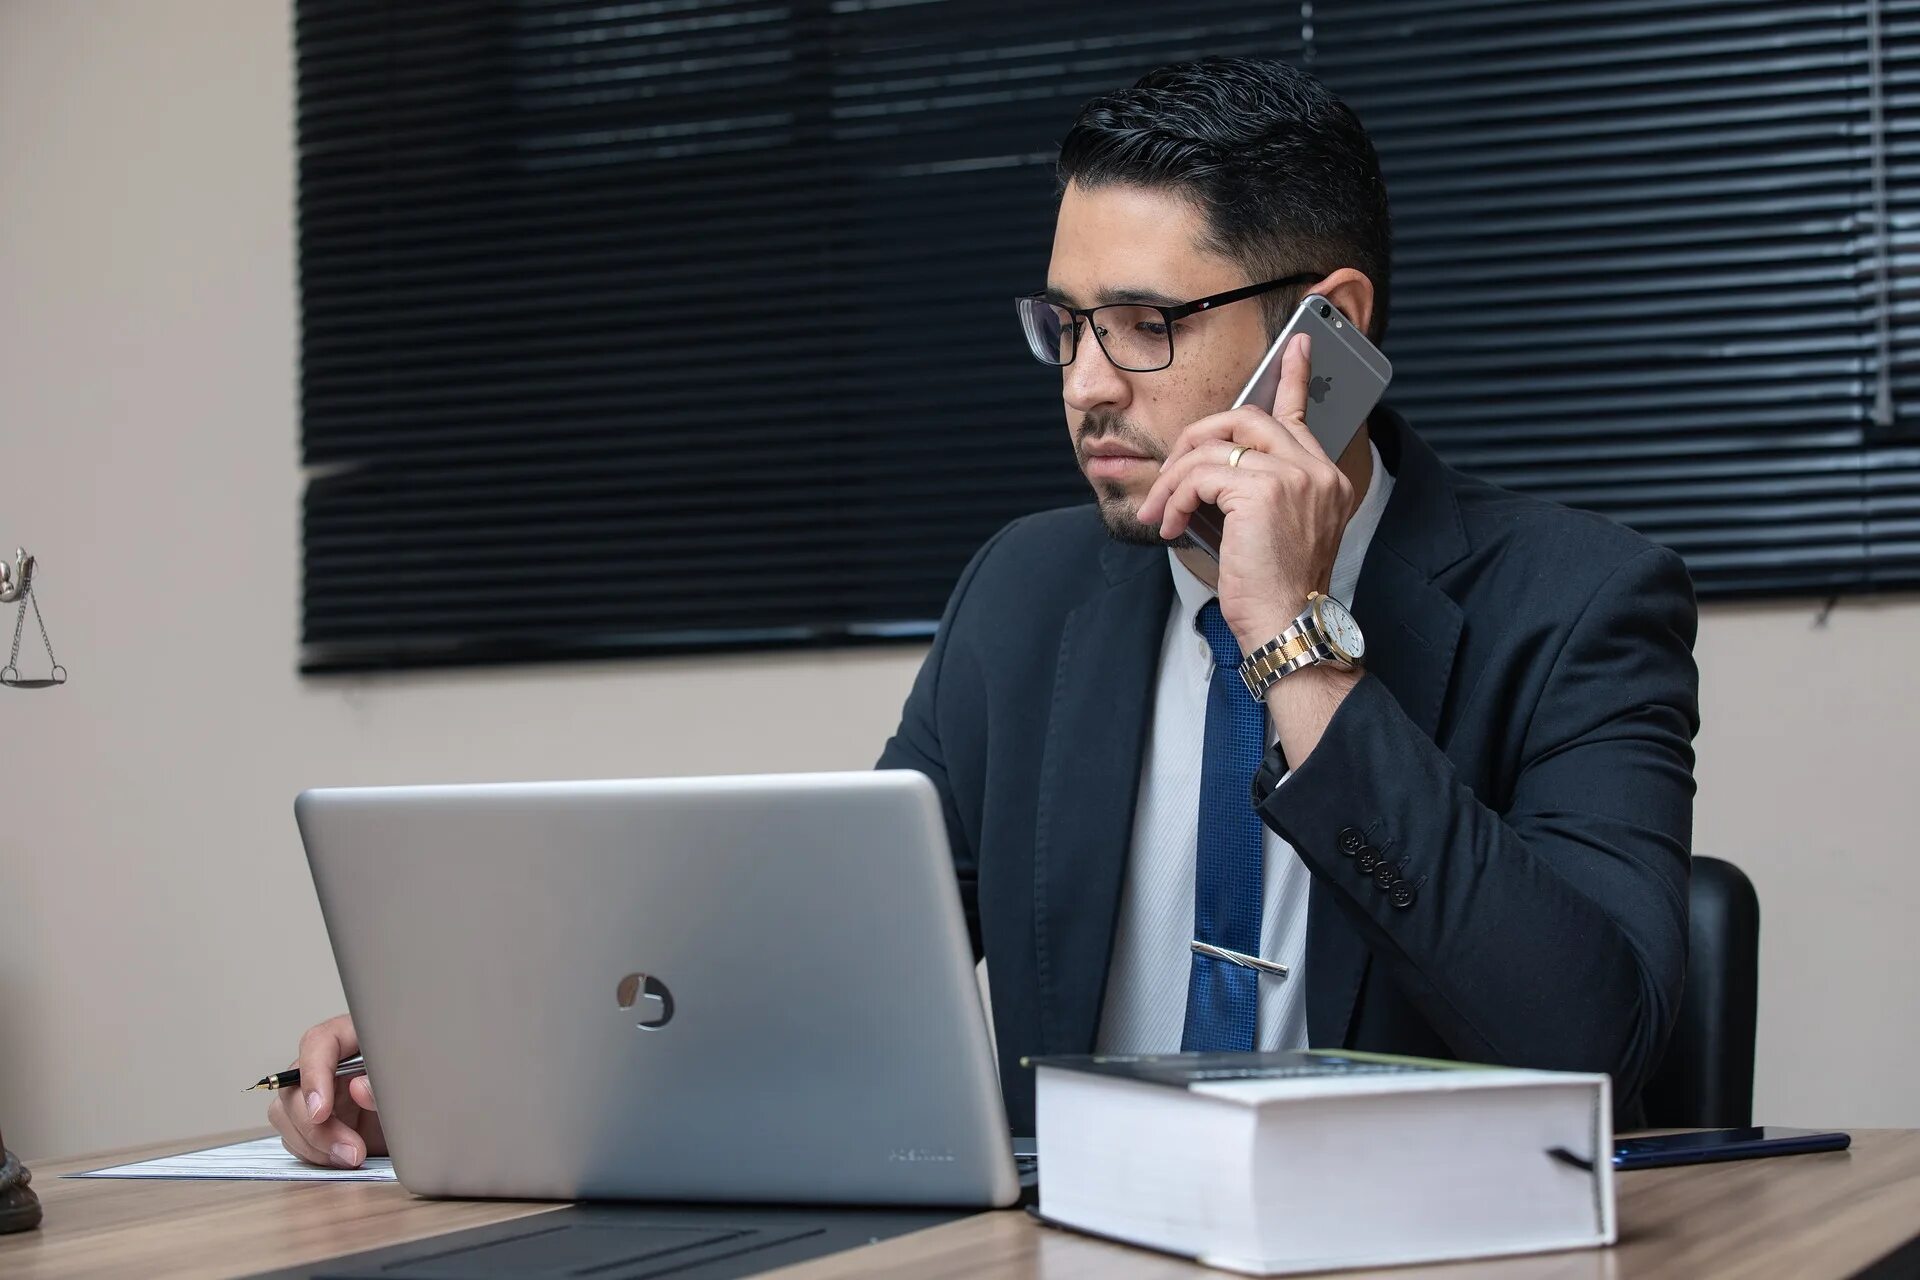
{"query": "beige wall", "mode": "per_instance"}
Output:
(159, 943)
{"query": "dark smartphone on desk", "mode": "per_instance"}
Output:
(1347, 378)
(1722, 1144)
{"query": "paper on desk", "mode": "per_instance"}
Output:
(263, 1159)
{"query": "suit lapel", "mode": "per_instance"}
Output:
(1089, 778)
(1412, 629)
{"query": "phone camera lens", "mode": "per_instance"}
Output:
(1325, 311)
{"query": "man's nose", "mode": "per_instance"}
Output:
(1092, 381)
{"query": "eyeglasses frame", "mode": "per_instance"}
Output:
(1169, 314)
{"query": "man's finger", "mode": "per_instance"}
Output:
(337, 1138)
(360, 1089)
(1211, 482)
(1208, 453)
(1296, 369)
(1215, 426)
(1246, 425)
(1290, 406)
(292, 1136)
(1171, 476)
(1300, 436)
(321, 1050)
(345, 1148)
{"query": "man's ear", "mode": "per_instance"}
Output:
(1350, 290)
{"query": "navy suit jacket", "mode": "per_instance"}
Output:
(1519, 753)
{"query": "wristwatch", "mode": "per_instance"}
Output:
(1324, 632)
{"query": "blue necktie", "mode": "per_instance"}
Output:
(1223, 999)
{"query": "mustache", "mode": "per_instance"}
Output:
(1113, 427)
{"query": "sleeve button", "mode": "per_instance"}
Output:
(1385, 876)
(1367, 859)
(1351, 841)
(1401, 895)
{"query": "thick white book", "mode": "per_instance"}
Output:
(1270, 1163)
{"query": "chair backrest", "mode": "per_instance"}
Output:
(1706, 1078)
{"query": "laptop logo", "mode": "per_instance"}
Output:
(648, 998)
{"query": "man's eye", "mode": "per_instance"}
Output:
(1155, 327)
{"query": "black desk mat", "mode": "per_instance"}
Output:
(629, 1242)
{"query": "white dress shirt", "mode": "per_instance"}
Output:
(1146, 1002)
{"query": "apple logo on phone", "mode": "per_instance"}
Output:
(1317, 389)
(651, 995)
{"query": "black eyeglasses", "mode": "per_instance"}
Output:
(1136, 336)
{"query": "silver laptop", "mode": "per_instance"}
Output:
(719, 989)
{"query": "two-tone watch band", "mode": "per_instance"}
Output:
(1287, 652)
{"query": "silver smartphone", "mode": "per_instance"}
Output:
(1347, 379)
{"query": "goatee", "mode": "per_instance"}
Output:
(1119, 514)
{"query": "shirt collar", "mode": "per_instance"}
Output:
(1191, 593)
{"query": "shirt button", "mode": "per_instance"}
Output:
(1351, 840)
(1401, 895)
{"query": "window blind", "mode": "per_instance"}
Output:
(1639, 268)
(685, 324)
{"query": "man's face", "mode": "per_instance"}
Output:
(1119, 243)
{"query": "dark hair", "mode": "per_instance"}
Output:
(1284, 172)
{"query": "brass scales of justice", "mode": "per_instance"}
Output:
(16, 586)
(19, 1207)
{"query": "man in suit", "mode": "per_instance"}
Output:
(1473, 843)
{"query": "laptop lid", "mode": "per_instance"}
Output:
(726, 989)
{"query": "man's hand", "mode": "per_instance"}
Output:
(318, 1121)
(1286, 503)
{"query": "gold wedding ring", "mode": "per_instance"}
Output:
(1233, 459)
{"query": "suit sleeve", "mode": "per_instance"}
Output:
(916, 743)
(1553, 934)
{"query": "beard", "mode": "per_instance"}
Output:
(1118, 509)
(1117, 514)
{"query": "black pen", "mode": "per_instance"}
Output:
(354, 1066)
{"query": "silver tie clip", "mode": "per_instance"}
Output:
(1240, 958)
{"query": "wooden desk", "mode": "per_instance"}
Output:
(1795, 1216)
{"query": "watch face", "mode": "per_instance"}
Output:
(1338, 626)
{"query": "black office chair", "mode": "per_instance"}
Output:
(1706, 1078)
